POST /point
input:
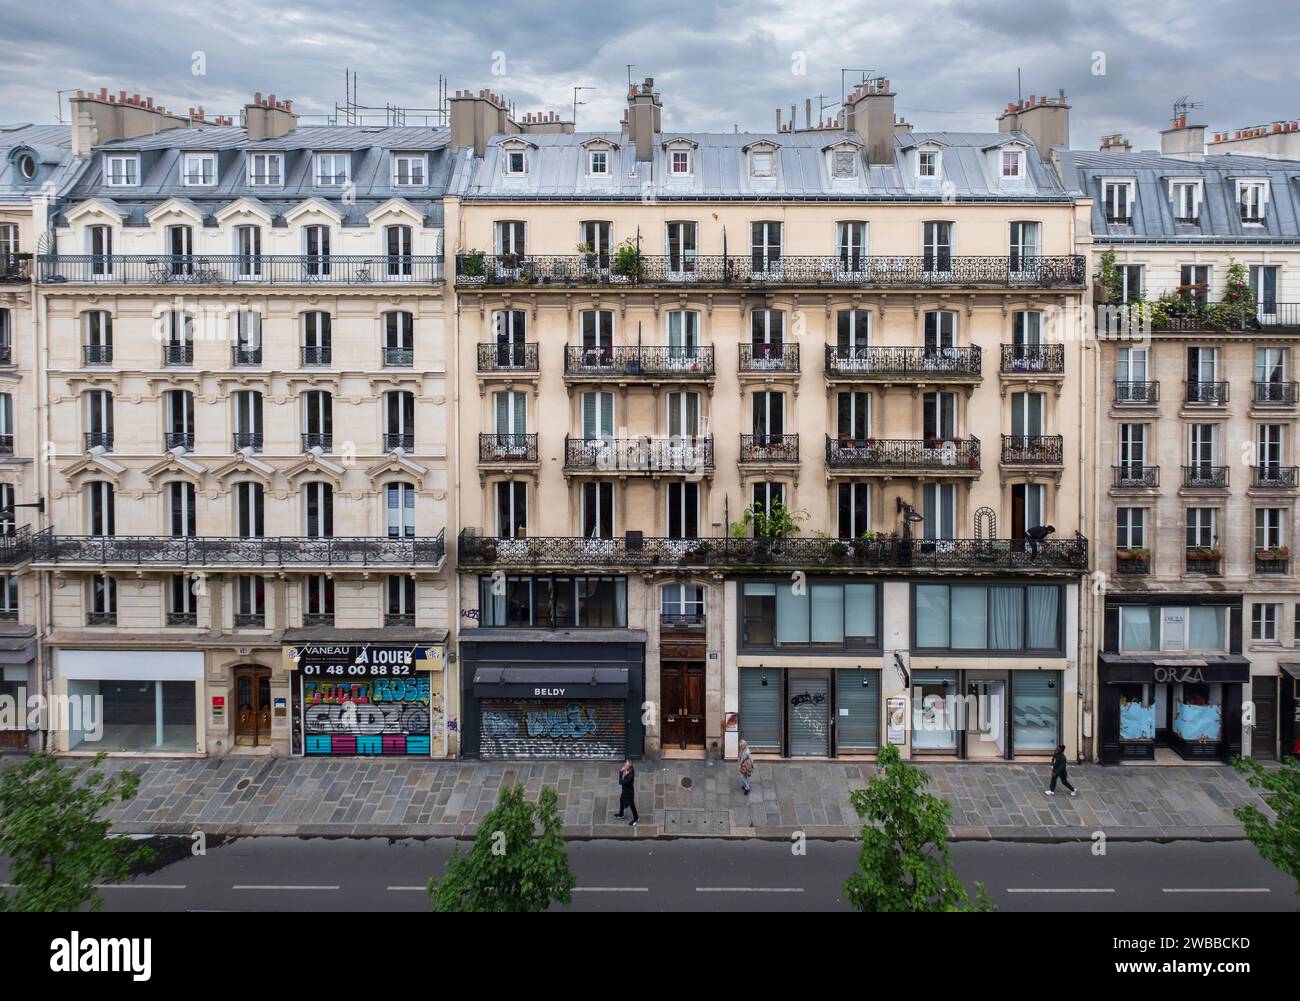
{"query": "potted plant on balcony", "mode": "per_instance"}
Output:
(1273, 553)
(627, 262)
(839, 550)
(741, 544)
(489, 549)
(1206, 554)
(1132, 556)
(699, 552)
(473, 268)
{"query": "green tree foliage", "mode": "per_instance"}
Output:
(58, 848)
(509, 869)
(1278, 840)
(905, 865)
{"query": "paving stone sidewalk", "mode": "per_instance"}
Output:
(401, 797)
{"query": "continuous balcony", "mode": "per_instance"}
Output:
(749, 271)
(885, 363)
(94, 551)
(1269, 477)
(508, 358)
(885, 554)
(650, 362)
(237, 269)
(930, 456)
(766, 359)
(15, 545)
(1277, 394)
(1033, 450)
(689, 454)
(767, 449)
(1136, 393)
(507, 449)
(1033, 359)
(1132, 475)
(1204, 477)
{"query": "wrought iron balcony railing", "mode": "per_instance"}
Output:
(1137, 392)
(677, 620)
(324, 440)
(887, 554)
(1132, 475)
(6, 353)
(1272, 565)
(1209, 393)
(639, 360)
(178, 354)
(250, 620)
(214, 551)
(101, 618)
(404, 440)
(769, 357)
(98, 439)
(1204, 560)
(936, 456)
(399, 619)
(239, 269)
(1278, 393)
(246, 439)
(1033, 449)
(15, 268)
(15, 544)
(318, 618)
(6, 444)
(182, 619)
(508, 357)
(178, 439)
(399, 357)
(1275, 477)
(245, 355)
(97, 354)
(507, 448)
(755, 270)
(888, 362)
(1132, 561)
(317, 354)
(1205, 476)
(764, 448)
(647, 454)
(1033, 358)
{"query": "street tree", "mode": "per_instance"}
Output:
(1278, 839)
(50, 829)
(905, 864)
(509, 868)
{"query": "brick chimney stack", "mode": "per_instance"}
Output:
(869, 111)
(644, 118)
(1046, 120)
(1183, 141)
(104, 117)
(1116, 144)
(476, 118)
(267, 118)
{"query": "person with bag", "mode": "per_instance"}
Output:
(627, 792)
(746, 766)
(1058, 772)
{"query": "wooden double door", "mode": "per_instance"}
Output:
(252, 706)
(681, 686)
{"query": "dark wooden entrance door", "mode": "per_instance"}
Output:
(682, 697)
(1263, 738)
(252, 706)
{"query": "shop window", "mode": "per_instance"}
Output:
(1198, 712)
(935, 708)
(995, 618)
(139, 715)
(819, 615)
(1137, 714)
(1173, 628)
(554, 602)
(1035, 710)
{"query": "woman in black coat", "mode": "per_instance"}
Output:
(627, 792)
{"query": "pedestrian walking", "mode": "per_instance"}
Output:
(746, 766)
(627, 792)
(1058, 772)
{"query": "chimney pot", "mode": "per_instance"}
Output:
(257, 97)
(103, 93)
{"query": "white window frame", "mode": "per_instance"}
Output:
(1131, 527)
(256, 180)
(591, 162)
(1129, 186)
(673, 154)
(509, 162)
(1178, 188)
(758, 156)
(199, 158)
(319, 161)
(1015, 159)
(1270, 527)
(411, 160)
(935, 158)
(1259, 186)
(129, 177)
(1264, 619)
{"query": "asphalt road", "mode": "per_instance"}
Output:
(373, 874)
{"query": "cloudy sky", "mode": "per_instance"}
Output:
(717, 65)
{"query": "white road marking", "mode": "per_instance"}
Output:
(139, 886)
(1059, 889)
(611, 889)
(396, 888)
(1216, 889)
(246, 887)
(749, 889)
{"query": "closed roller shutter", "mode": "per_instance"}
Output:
(760, 710)
(1035, 710)
(857, 693)
(552, 728)
(810, 715)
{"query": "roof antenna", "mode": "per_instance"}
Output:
(1019, 93)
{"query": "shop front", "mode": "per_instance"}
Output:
(127, 701)
(803, 713)
(976, 714)
(17, 685)
(1288, 710)
(537, 694)
(363, 699)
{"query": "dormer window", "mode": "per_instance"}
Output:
(408, 170)
(1252, 198)
(927, 164)
(332, 170)
(200, 170)
(680, 160)
(1117, 199)
(26, 164)
(516, 162)
(1185, 197)
(1013, 164)
(265, 170)
(598, 163)
(122, 171)
(762, 163)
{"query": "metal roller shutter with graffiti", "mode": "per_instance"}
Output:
(552, 728)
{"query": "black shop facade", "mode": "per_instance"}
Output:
(552, 694)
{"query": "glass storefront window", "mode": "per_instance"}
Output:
(135, 716)
(559, 602)
(1009, 617)
(1198, 712)
(1137, 714)
(932, 615)
(1206, 628)
(935, 707)
(822, 614)
(1173, 628)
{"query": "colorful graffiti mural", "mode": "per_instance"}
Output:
(369, 715)
(540, 728)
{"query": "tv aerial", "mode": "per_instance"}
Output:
(1183, 105)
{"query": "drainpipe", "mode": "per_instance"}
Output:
(45, 604)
